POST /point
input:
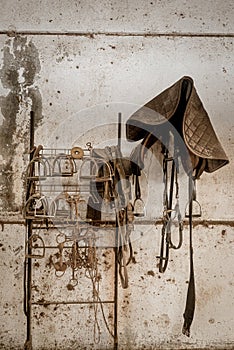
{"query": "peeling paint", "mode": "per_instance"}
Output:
(18, 73)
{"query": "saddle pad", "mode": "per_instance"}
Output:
(181, 105)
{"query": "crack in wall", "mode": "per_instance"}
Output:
(18, 74)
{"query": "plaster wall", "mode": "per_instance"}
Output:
(77, 65)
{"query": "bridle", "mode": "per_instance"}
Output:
(170, 167)
(166, 238)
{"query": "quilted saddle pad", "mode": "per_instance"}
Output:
(181, 106)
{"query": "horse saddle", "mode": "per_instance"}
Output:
(177, 117)
(179, 107)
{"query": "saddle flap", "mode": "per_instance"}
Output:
(199, 135)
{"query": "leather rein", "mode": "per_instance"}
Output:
(170, 213)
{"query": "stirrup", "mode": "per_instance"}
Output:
(197, 212)
(38, 168)
(139, 207)
(37, 206)
(32, 243)
(63, 165)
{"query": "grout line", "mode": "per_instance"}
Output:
(46, 303)
(196, 222)
(120, 34)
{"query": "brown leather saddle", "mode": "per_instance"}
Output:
(179, 108)
(177, 116)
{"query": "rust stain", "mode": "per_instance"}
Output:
(207, 294)
(223, 233)
(151, 273)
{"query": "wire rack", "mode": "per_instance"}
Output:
(61, 184)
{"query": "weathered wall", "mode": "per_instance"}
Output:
(77, 66)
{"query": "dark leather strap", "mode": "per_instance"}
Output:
(190, 302)
(137, 187)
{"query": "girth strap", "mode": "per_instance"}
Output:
(190, 302)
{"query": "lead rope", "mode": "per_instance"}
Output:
(190, 301)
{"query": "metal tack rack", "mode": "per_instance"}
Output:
(54, 177)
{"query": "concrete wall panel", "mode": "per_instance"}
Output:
(119, 16)
(145, 310)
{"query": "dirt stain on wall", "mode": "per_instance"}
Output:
(18, 73)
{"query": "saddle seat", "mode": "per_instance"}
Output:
(180, 106)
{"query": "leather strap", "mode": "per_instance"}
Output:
(190, 302)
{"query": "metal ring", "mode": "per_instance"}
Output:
(73, 282)
(61, 238)
(59, 274)
(77, 153)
